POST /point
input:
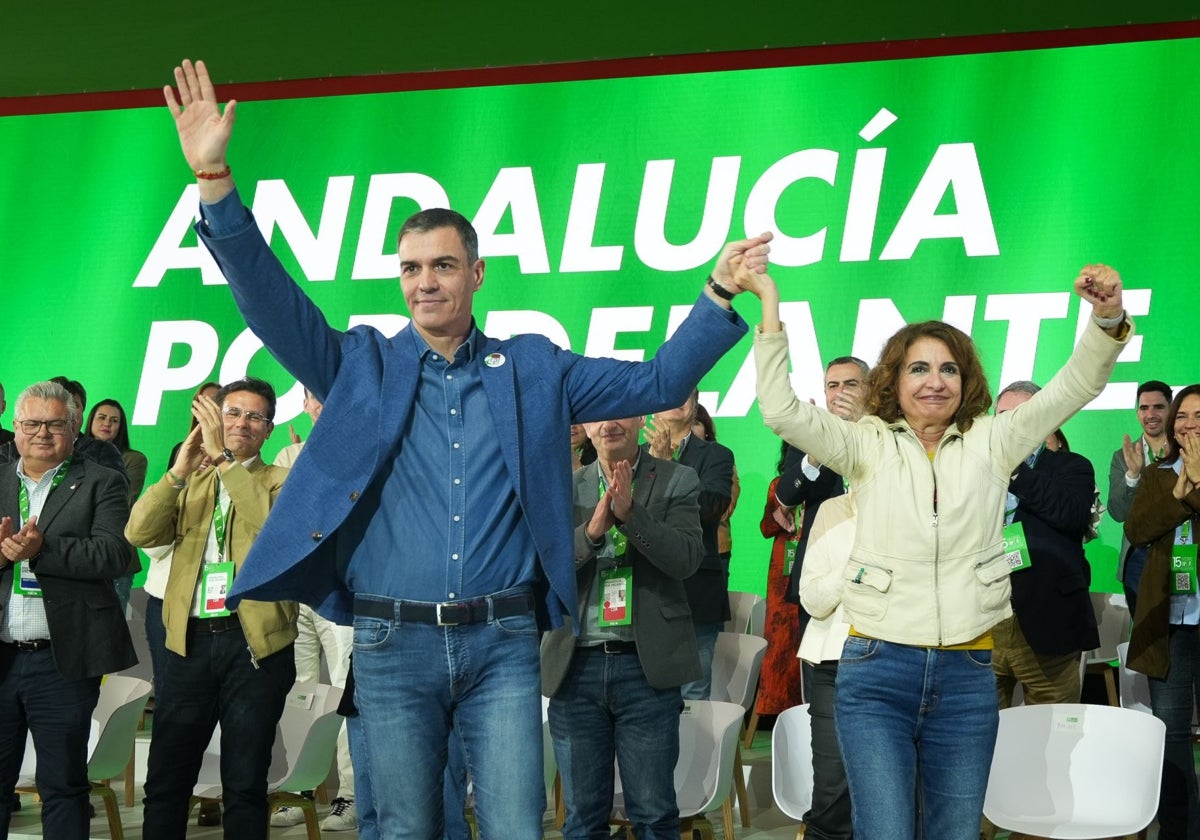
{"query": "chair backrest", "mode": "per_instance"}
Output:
(1112, 617)
(792, 762)
(118, 711)
(306, 738)
(113, 730)
(708, 733)
(1134, 686)
(549, 764)
(1072, 770)
(741, 612)
(737, 661)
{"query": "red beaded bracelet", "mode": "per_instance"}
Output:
(213, 176)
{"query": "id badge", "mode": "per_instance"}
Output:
(1183, 570)
(616, 597)
(1016, 550)
(215, 580)
(789, 556)
(25, 582)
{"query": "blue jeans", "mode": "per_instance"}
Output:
(606, 709)
(906, 713)
(1131, 577)
(455, 794)
(34, 697)
(364, 795)
(1171, 699)
(706, 645)
(215, 682)
(415, 681)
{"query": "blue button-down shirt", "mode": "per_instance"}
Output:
(449, 524)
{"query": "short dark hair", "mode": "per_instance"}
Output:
(443, 217)
(882, 398)
(850, 360)
(75, 389)
(122, 439)
(255, 386)
(702, 417)
(1021, 386)
(1156, 386)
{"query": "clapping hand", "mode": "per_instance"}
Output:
(658, 438)
(1134, 457)
(1189, 472)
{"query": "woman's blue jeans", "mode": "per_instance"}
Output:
(917, 727)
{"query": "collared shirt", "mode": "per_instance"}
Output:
(449, 524)
(25, 617)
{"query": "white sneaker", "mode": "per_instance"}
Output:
(342, 816)
(287, 815)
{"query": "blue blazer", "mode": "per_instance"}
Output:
(367, 383)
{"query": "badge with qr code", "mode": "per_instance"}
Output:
(1183, 570)
(1016, 550)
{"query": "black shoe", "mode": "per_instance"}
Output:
(16, 802)
(210, 812)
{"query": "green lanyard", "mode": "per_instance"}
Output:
(23, 492)
(219, 523)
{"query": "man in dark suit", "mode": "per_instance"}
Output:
(614, 687)
(5, 435)
(61, 624)
(446, 542)
(1050, 505)
(708, 589)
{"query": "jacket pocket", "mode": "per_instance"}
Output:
(865, 590)
(992, 576)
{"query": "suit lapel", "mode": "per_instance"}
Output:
(643, 480)
(9, 505)
(61, 494)
(498, 374)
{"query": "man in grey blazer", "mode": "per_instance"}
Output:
(61, 625)
(614, 687)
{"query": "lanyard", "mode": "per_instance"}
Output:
(219, 523)
(23, 492)
(619, 540)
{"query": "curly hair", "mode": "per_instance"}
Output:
(883, 399)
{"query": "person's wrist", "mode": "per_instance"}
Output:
(1107, 322)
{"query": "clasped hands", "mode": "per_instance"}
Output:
(1189, 470)
(615, 505)
(22, 545)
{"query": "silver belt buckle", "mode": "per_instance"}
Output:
(442, 623)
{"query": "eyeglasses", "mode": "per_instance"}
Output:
(233, 413)
(32, 427)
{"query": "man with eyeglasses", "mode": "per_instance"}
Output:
(60, 537)
(223, 666)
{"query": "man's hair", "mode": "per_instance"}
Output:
(883, 400)
(122, 439)
(1021, 386)
(1156, 386)
(50, 390)
(255, 386)
(850, 360)
(442, 217)
(76, 390)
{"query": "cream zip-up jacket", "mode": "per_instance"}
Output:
(927, 567)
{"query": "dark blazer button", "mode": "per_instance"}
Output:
(318, 536)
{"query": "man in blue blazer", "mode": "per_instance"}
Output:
(432, 504)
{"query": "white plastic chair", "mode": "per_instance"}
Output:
(792, 763)
(1112, 617)
(114, 729)
(748, 613)
(737, 664)
(1135, 686)
(305, 742)
(708, 732)
(1075, 771)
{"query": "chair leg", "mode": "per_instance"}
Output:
(320, 794)
(560, 807)
(310, 819)
(739, 785)
(129, 784)
(706, 829)
(109, 797)
(751, 728)
(1110, 680)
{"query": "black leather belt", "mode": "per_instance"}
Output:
(222, 624)
(613, 647)
(447, 613)
(32, 645)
